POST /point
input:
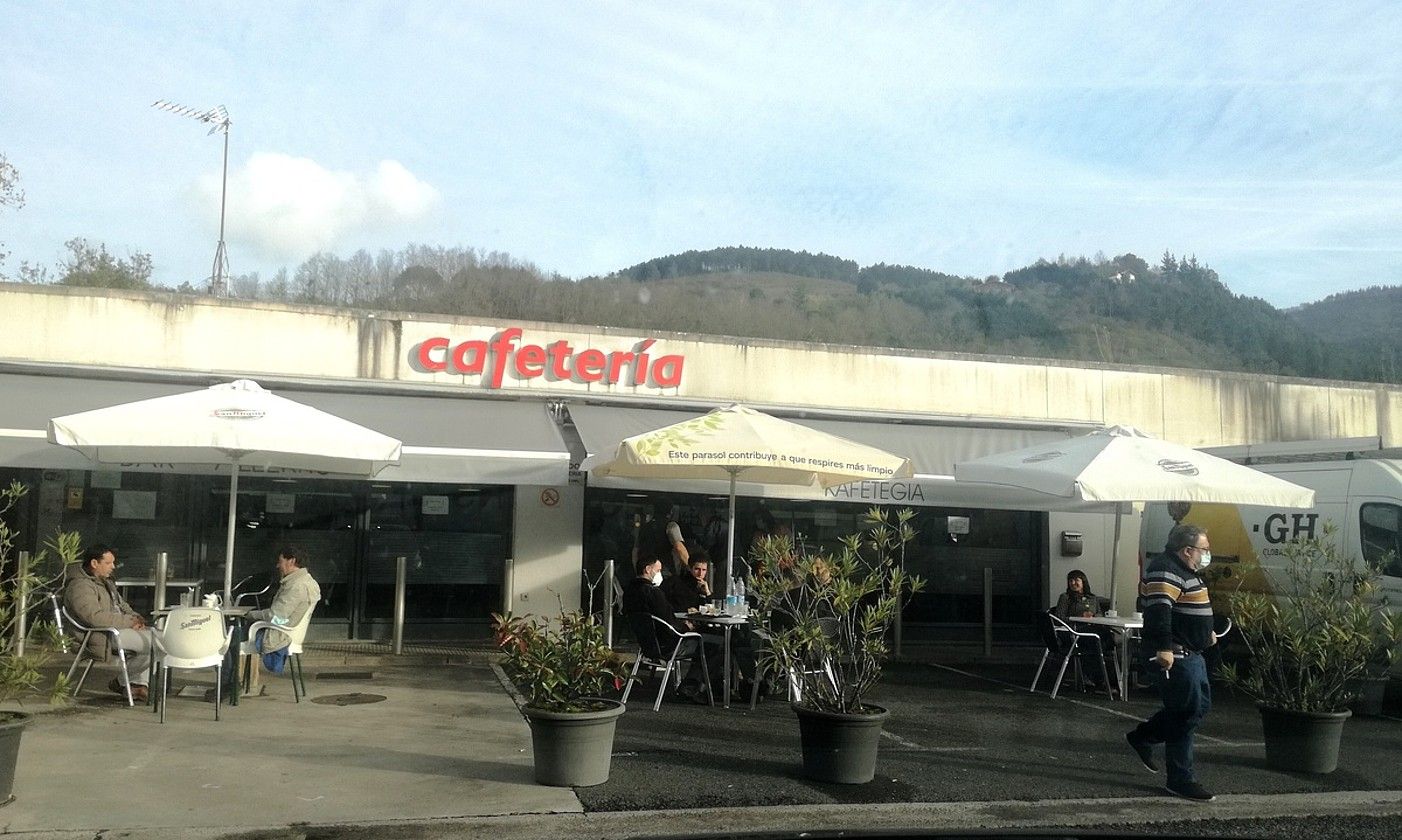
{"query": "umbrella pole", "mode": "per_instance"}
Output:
(1115, 555)
(730, 543)
(229, 541)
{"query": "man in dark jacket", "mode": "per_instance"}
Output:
(1178, 629)
(689, 591)
(642, 597)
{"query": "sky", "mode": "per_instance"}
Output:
(585, 137)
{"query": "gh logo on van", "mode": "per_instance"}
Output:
(1277, 531)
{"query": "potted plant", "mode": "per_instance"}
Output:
(23, 650)
(563, 669)
(826, 617)
(1307, 645)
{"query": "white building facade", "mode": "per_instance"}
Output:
(488, 506)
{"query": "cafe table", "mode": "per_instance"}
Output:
(1128, 628)
(726, 623)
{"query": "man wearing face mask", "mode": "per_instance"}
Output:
(1178, 628)
(643, 597)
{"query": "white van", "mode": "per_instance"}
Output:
(1357, 486)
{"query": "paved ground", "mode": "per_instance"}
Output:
(447, 755)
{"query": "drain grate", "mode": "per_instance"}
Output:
(346, 675)
(356, 699)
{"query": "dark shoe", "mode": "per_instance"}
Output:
(1191, 790)
(1144, 751)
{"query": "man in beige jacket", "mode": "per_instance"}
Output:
(297, 595)
(92, 598)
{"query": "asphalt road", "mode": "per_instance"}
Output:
(955, 737)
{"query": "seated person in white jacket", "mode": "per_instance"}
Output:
(297, 594)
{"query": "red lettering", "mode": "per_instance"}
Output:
(640, 361)
(501, 350)
(667, 371)
(616, 363)
(478, 349)
(589, 364)
(530, 361)
(558, 359)
(560, 353)
(426, 361)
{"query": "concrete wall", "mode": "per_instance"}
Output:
(1197, 408)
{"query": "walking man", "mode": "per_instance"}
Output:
(1178, 628)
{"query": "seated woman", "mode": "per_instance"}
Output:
(1079, 601)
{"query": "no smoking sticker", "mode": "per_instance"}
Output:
(550, 497)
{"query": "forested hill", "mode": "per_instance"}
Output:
(1122, 310)
(1367, 322)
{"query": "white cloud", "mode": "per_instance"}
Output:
(286, 208)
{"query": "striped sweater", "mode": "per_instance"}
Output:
(1177, 610)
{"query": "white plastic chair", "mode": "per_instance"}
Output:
(298, 634)
(66, 622)
(193, 638)
(654, 637)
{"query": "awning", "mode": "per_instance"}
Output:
(445, 439)
(933, 449)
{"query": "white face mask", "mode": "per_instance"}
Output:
(656, 578)
(1204, 559)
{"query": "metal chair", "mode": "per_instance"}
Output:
(652, 640)
(192, 638)
(254, 594)
(792, 678)
(1064, 641)
(65, 622)
(297, 633)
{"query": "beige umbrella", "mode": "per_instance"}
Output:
(1121, 464)
(735, 440)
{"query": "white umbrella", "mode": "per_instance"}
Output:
(737, 440)
(1122, 464)
(236, 423)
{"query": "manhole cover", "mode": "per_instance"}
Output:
(346, 675)
(355, 699)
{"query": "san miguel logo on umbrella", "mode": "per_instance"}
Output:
(1043, 456)
(238, 414)
(1178, 467)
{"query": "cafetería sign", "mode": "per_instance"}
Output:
(503, 357)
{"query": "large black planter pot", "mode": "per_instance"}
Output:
(1302, 742)
(573, 749)
(12, 725)
(840, 748)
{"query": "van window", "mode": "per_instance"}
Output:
(1381, 530)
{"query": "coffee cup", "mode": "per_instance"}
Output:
(1111, 614)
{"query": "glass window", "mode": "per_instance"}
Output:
(1380, 528)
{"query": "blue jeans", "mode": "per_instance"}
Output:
(1187, 697)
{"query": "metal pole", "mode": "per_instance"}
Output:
(401, 572)
(508, 584)
(730, 547)
(987, 611)
(608, 603)
(1115, 554)
(229, 542)
(218, 284)
(22, 602)
(161, 573)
